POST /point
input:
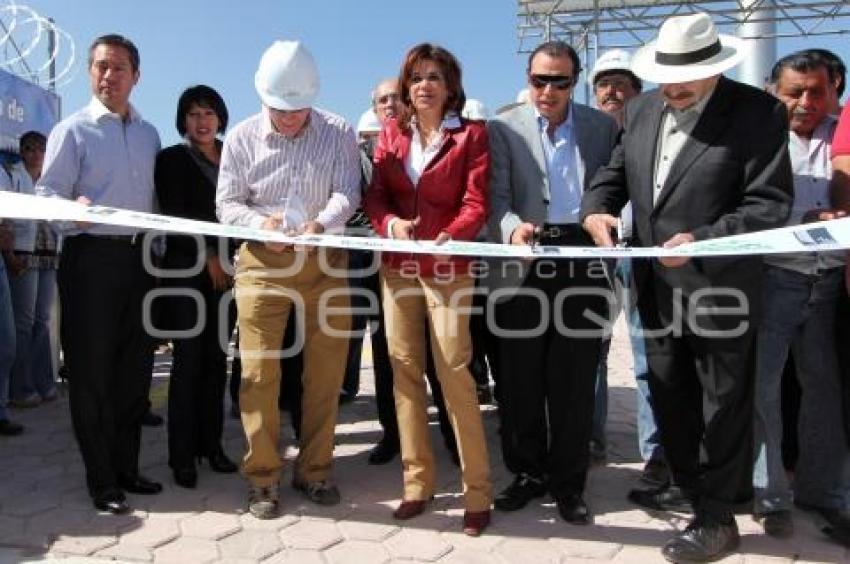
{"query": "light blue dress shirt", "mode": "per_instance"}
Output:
(561, 156)
(96, 154)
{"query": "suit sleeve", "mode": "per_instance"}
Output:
(473, 207)
(768, 189)
(378, 203)
(608, 190)
(502, 219)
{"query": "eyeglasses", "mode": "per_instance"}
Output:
(558, 81)
(386, 98)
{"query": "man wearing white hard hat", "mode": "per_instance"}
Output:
(295, 168)
(701, 157)
(614, 83)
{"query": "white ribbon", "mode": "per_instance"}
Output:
(821, 236)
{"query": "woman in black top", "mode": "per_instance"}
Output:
(186, 177)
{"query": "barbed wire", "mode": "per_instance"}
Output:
(26, 50)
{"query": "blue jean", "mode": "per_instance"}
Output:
(799, 311)
(32, 300)
(7, 338)
(648, 438)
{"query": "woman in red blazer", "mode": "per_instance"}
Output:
(430, 183)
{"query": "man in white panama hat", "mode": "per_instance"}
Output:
(701, 157)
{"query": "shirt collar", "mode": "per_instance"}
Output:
(543, 123)
(822, 134)
(450, 121)
(98, 110)
(267, 129)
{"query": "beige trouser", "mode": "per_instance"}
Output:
(414, 309)
(267, 285)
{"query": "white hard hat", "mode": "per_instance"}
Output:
(368, 123)
(615, 59)
(522, 96)
(287, 78)
(475, 109)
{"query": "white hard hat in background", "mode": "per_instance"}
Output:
(287, 78)
(615, 59)
(522, 96)
(475, 109)
(368, 123)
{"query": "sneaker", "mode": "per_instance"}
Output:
(264, 501)
(321, 492)
(32, 400)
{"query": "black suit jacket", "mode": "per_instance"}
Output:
(733, 176)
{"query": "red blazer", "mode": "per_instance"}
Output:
(451, 196)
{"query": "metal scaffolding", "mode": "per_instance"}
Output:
(604, 24)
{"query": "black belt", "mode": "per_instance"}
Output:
(560, 230)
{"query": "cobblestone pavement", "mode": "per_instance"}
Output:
(45, 513)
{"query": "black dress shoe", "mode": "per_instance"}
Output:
(573, 509)
(655, 473)
(835, 523)
(186, 477)
(139, 485)
(221, 464)
(112, 501)
(703, 541)
(151, 419)
(523, 489)
(384, 451)
(667, 498)
(10, 428)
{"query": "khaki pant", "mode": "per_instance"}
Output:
(417, 309)
(267, 286)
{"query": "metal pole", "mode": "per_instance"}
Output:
(51, 47)
(755, 69)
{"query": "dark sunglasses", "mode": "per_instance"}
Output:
(558, 81)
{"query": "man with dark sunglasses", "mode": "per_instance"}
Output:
(542, 156)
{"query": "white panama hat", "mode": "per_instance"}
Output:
(687, 48)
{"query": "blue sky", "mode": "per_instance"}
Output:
(355, 43)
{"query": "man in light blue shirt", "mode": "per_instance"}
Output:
(104, 154)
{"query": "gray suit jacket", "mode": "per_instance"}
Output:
(519, 186)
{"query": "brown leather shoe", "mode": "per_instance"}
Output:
(474, 522)
(410, 508)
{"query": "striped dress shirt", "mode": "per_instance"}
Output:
(316, 173)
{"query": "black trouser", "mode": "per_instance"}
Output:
(702, 391)
(198, 373)
(548, 379)
(102, 284)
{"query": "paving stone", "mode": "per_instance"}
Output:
(591, 549)
(311, 534)
(14, 534)
(528, 551)
(484, 543)
(151, 533)
(639, 555)
(368, 526)
(297, 557)
(81, 546)
(210, 525)
(183, 550)
(467, 556)
(357, 552)
(248, 521)
(417, 544)
(126, 552)
(33, 503)
(256, 544)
